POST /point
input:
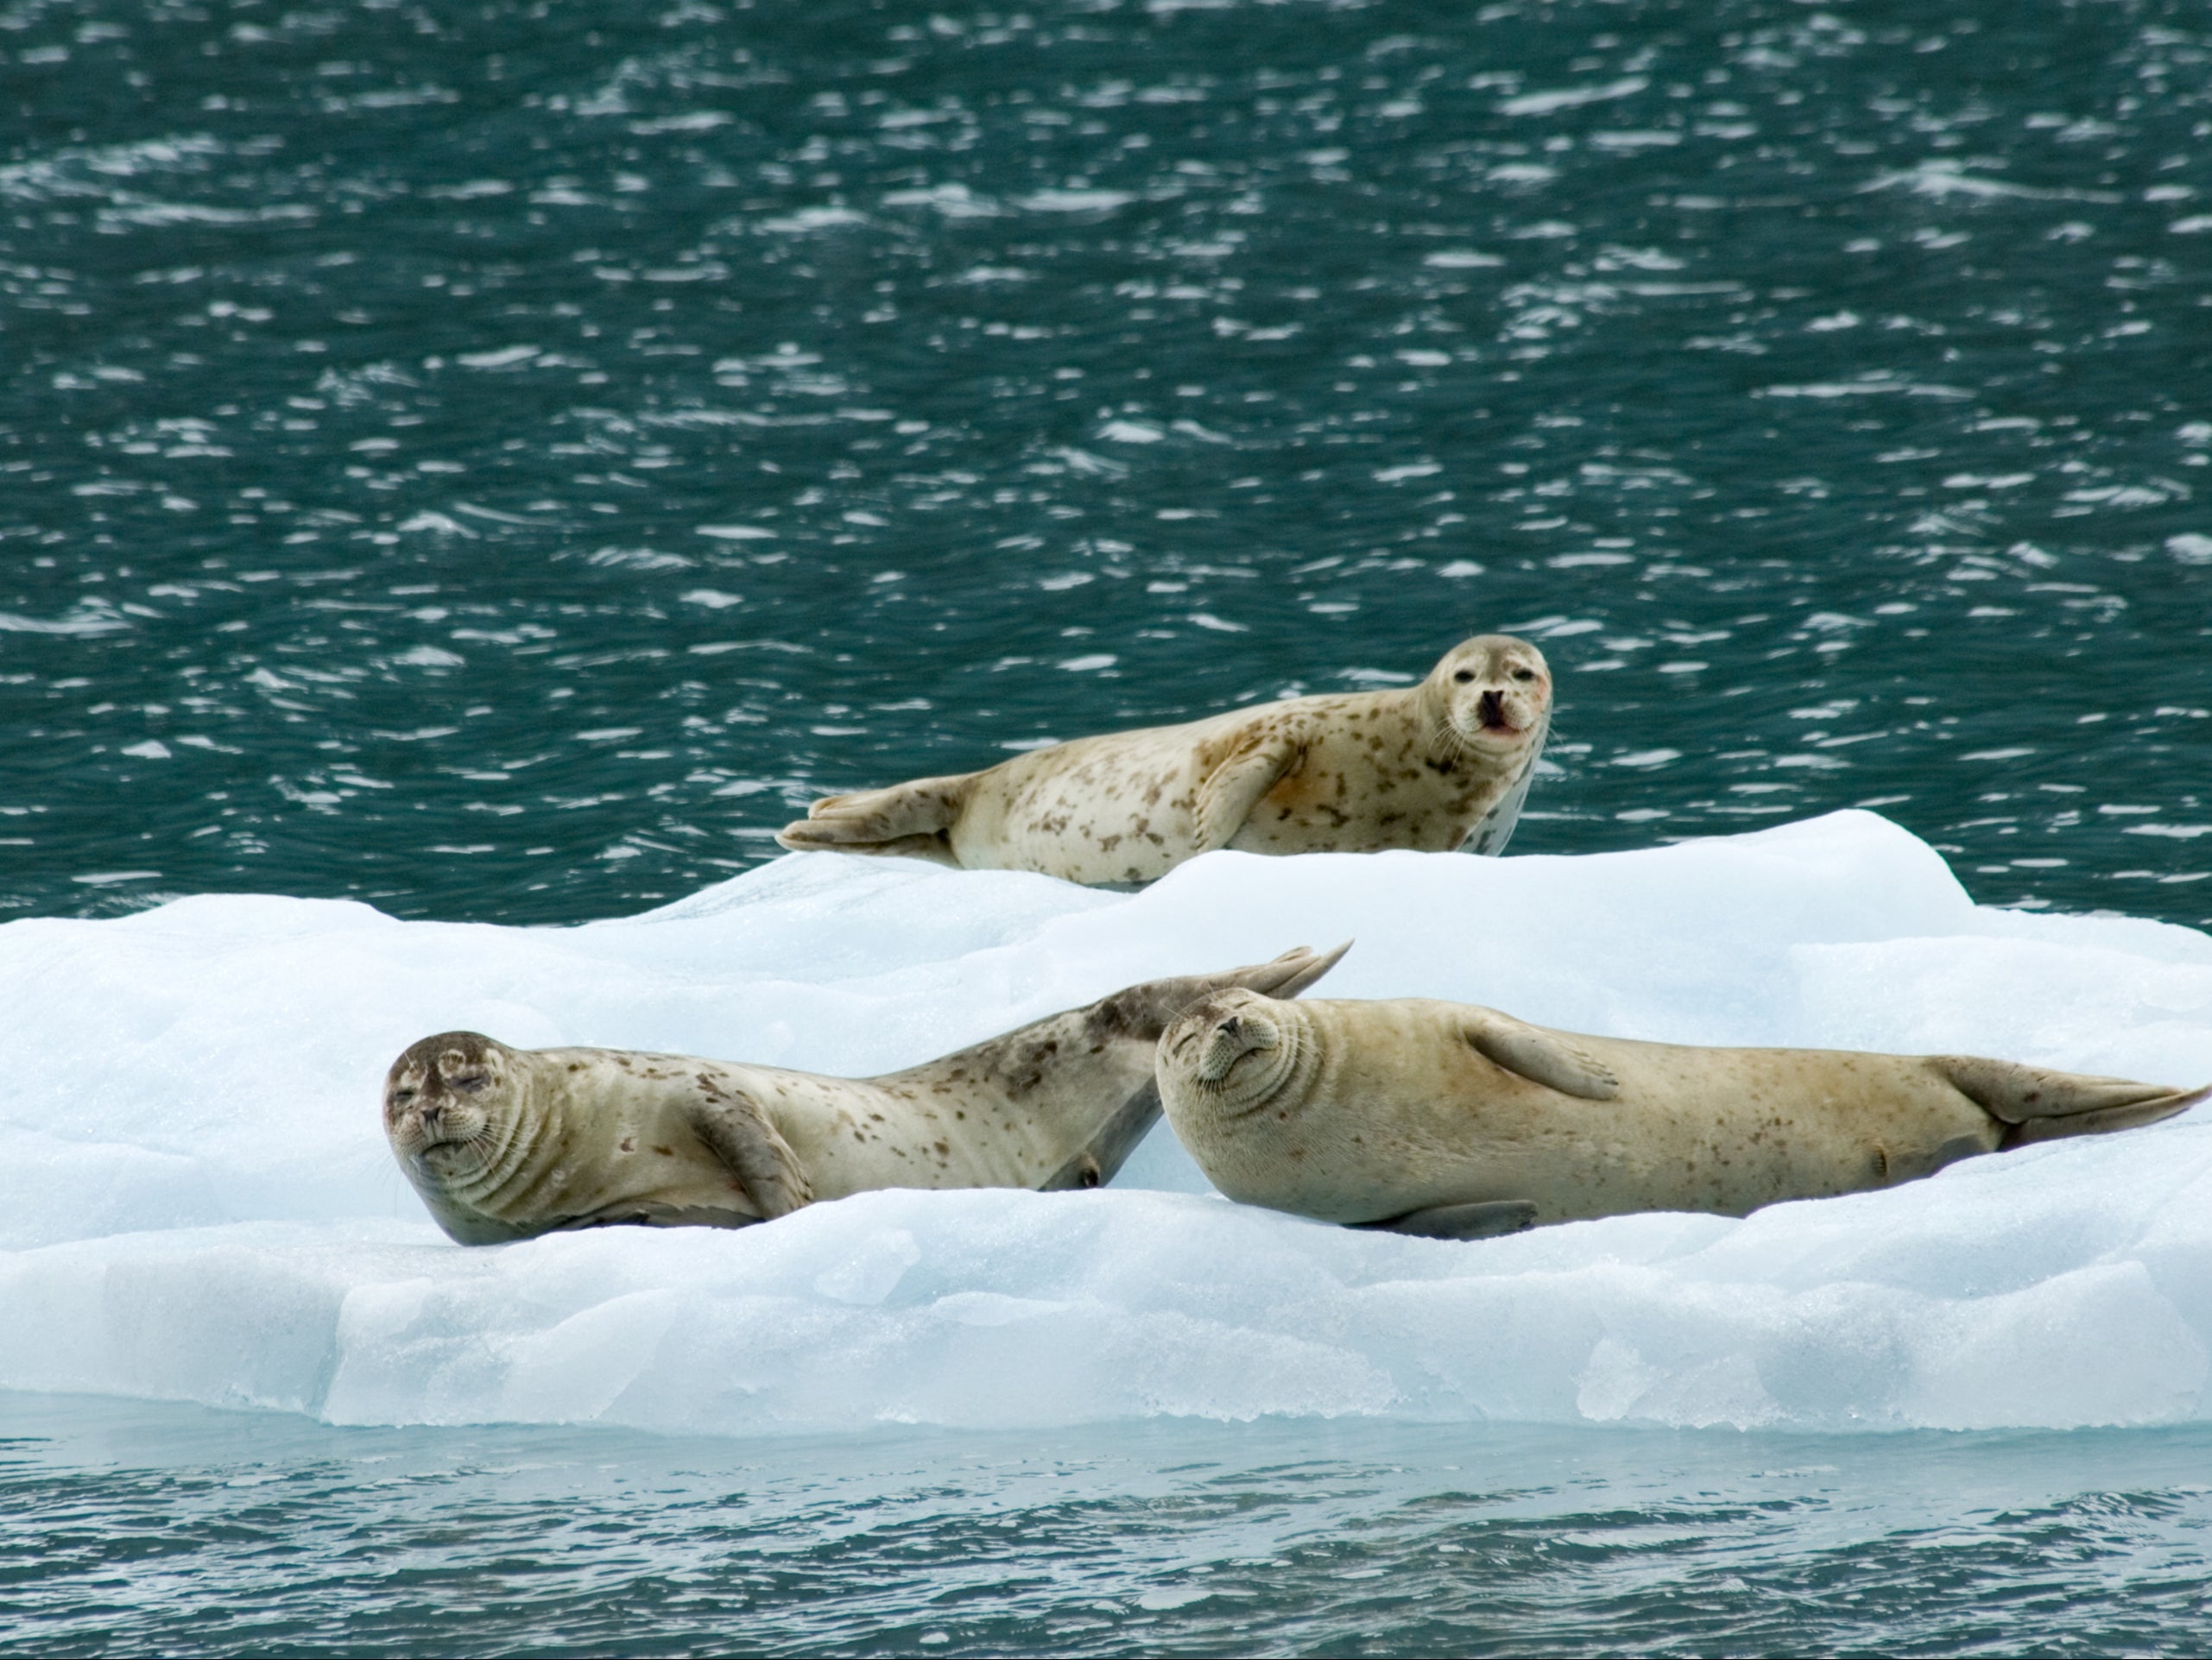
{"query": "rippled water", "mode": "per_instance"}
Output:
(132, 1527)
(501, 460)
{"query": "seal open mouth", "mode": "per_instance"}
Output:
(1490, 711)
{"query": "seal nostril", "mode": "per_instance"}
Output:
(1231, 1027)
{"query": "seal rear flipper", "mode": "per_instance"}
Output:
(1233, 789)
(1541, 1056)
(936, 848)
(1489, 1220)
(1104, 1155)
(1145, 1011)
(2039, 1105)
(740, 1136)
(1288, 975)
(2098, 1121)
(912, 818)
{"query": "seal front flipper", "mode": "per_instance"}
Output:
(1539, 1057)
(1233, 789)
(914, 819)
(1104, 1155)
(1486, 1221)
(733, 1125)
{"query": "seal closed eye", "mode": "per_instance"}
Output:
(503, 1144)
(1455, 1121)
(1436, 767)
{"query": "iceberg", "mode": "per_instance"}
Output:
(197, 1204)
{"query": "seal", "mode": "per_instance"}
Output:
(1455, 1121)
(1437, 767)
(504, 1143)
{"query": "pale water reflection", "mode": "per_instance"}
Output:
(131, 1527)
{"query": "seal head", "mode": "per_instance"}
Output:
(1235, 1052)
(1488, 696)
(447, 1107)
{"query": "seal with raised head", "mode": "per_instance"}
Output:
(1436, 767)
(504, 1143)
(1455, 1121)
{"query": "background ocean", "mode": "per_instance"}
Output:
(496, 462)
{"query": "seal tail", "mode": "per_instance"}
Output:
(1145, 1010)
(2038, 1105)
(912, 818)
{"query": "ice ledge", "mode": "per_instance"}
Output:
(199, 1206)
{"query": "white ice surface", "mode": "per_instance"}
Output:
(196, 1202)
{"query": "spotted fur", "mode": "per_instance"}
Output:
(503, 1142)
(1437, 767)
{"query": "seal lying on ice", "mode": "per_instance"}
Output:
(1437, 767)
(1456, 1121)
(504, 1143)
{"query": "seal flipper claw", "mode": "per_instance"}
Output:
(1541, 1056)
(1491, 1219)
(742, 1137)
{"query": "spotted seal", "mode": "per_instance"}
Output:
(504, 1143)
(1457, 1121)
(1437, 767)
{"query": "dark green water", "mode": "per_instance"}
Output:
(137, 1529)
(502, 459)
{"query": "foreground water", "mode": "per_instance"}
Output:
(129, 1527)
